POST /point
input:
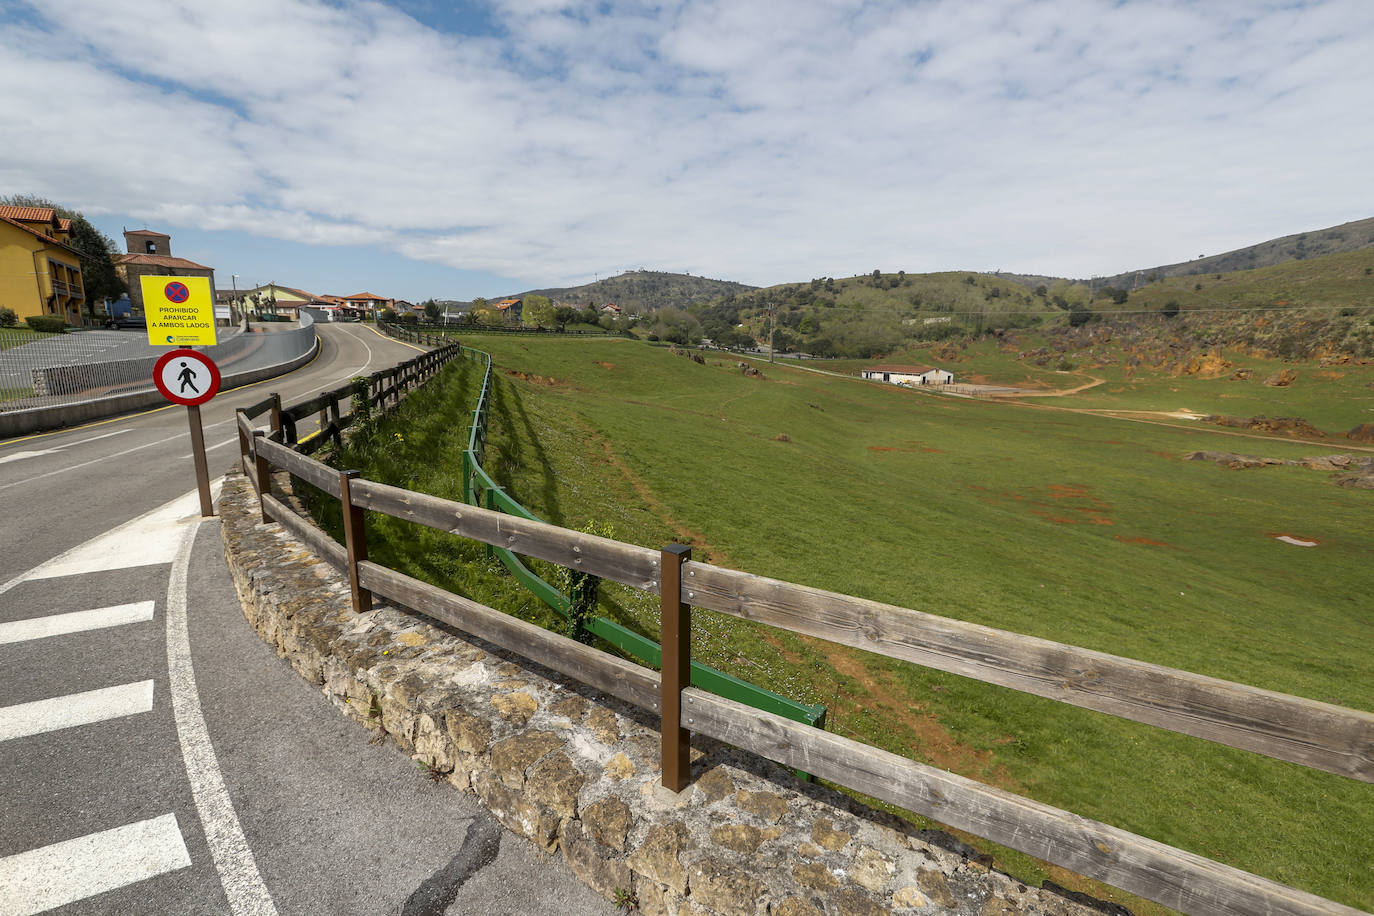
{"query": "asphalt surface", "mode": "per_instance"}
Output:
(159, 758)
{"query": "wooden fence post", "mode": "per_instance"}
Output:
(335, 418)
(675, 632)
(276, 413)
(263, 473)
(355, 539)
(244, 446)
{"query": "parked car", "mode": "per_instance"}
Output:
(127, 322)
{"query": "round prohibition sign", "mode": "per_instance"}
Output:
(186, 377)
(176, 292)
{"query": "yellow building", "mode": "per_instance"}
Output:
(40, 272)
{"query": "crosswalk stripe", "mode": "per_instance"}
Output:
(75, 622)
(75, 709)
(51, 876)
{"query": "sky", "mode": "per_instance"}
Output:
(423, 148)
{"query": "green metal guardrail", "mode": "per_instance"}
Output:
(480, 490)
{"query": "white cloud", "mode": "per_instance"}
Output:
(740, 138)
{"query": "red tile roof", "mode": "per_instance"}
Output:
(28, 214)
(159, 260)
(64, 224)
(901, 370)
(298, 292)
(368, 296)
(160, 235)
(34, 232)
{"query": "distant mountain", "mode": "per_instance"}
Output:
(640, 290)
(1337, 239)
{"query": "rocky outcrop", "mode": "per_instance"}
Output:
(577, 773)
(1350, 470)
(1294, 427)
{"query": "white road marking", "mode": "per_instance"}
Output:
(210, 448)
(150, 539)
(75, 709)
(51, 876)
(17, 456)
(238, 872)
(86, 464)
(75, 622)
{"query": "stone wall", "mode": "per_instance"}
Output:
(577, 773)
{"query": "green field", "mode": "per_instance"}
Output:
(1070, 526)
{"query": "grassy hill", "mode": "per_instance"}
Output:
(1068, 525)
(1317, 306)
(1346, 237)
(640, 290)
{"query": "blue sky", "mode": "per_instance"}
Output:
(422, 148)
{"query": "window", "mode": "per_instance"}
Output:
(151, 245)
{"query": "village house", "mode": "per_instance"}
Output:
(509, 309)
(40, 272)
(368, 304)
(283, 301)
(911, 376)
(150, 255)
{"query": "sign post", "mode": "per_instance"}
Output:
(190, 377)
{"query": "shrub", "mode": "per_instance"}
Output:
(410, 318)
(7, 318)
(1170, 308)
(47, 324)
(1078, 315)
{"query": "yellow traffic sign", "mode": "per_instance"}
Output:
(180, 311)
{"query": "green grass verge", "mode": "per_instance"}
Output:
(17, 337)
(1072, 527)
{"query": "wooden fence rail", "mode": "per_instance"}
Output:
(1302, 731)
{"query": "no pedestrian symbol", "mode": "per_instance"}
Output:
(177, 292)
(186, 377)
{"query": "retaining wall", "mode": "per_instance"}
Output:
(60, 416)
(577, 773)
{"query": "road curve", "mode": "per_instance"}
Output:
(155, 756)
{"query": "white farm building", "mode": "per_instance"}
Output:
(910, 376)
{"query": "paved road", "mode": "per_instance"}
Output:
(155, 756)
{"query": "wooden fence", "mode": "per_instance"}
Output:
(1302, 731)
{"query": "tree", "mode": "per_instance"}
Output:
(432, 310)
(482, 312)
(538, 310)
(97, 249)
(1079, 315)
(1170, 309)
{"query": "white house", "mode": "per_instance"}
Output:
(910, 376)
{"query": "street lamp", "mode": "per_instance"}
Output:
(234, 279)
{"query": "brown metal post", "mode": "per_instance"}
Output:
(263, 472)
(675, 631)
(355, 539)
(207, 507)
